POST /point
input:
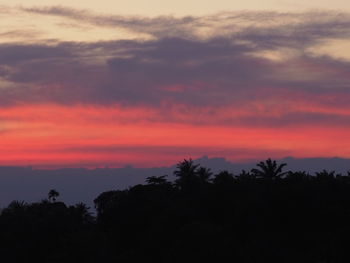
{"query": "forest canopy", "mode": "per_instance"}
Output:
(267, 214)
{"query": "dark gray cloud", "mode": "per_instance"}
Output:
(135, 72)
(178, 70)
(12, 54)
(297, 118)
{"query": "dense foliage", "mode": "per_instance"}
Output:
(262, 215)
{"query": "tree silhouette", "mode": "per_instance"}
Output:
(186, 174)
(186, 168)
(105, 200)
(246, 176)
(269, 170)
(204, 174)
(252, 217)
(15, 207)
(326, 175)
(297, 176)
(52, 195)
(223, 178)
(156, 180)
(81, 211)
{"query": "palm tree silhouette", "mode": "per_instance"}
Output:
(186, 173)
(156, 180)
(204, 174)
(325, 175)
(223, 178)
(269, 170)
(246, 176)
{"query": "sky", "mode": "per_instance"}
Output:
(148, 83)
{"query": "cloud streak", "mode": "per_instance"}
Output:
(288, 28)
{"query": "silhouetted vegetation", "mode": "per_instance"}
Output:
(262, 215)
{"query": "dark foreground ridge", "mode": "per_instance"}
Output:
(261, 215)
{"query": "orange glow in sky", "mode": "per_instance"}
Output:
(54, 136)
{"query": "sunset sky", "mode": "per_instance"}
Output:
(150, 82)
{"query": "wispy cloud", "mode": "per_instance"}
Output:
(288, 28)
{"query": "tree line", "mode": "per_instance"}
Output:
(266, 214)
